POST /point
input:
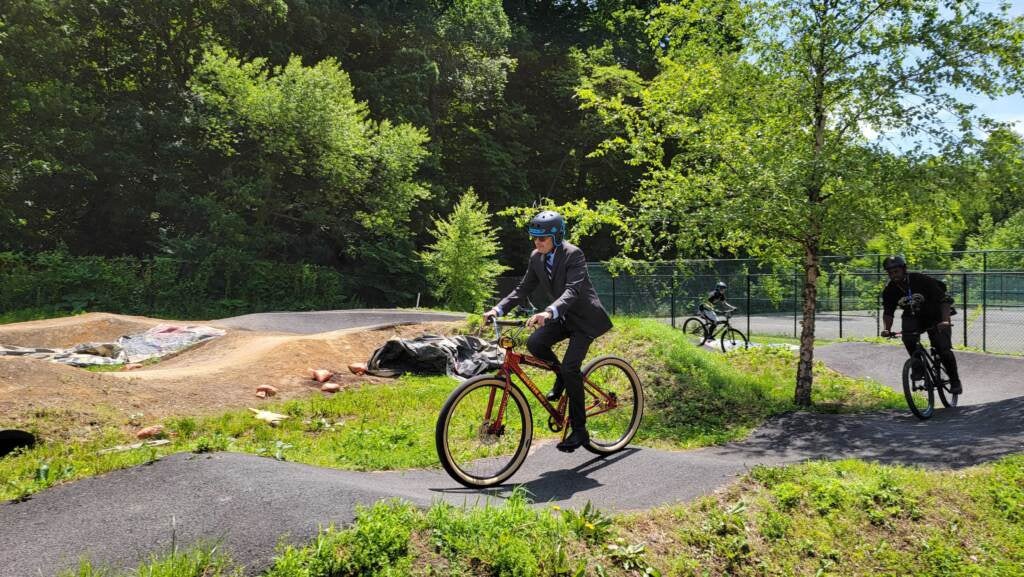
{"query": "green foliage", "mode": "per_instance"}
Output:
(461, 262)
(218, 286)
(589, 524)
(303, 159)
(378, 545)
(200, 560)
(582, 221)
(1007, 235)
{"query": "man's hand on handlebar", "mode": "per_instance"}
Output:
(538, 319)
(490, 316)
(887, 334)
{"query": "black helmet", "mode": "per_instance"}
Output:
(548, 223)
(721, 285)
(893, 261)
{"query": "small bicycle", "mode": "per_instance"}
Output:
(485, 428)
(702, 330)
(930, 378)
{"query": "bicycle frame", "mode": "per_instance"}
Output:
(513, 365)
(932, 362)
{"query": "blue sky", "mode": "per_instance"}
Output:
(1005, 109)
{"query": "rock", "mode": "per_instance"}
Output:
(320, 375)
(148, 432)
(357, 368)
(264, 391)
(330, 387)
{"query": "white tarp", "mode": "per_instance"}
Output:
(158, 341)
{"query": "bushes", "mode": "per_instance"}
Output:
(219, 285)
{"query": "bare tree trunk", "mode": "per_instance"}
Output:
(804, 375)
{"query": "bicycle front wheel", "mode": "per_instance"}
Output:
(733, 339)
(948, 399)
(615, 404)
(694, 330)
(478, 443)
(919, 393)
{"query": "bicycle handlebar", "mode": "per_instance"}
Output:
(893, 334)
(509, 322)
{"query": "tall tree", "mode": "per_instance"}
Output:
(759, 144)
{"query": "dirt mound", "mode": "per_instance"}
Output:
(67, 331)
(216, 375)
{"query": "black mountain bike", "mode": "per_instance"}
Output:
(920, 386)
(703, 330)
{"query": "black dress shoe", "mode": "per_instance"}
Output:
(576, 439)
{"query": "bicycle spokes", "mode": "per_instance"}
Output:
(482, 438)
(611, 403)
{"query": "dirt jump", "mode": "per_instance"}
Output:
(217, 374)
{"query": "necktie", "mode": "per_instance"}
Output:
(549, 264)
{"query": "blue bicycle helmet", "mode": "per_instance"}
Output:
(548, 223)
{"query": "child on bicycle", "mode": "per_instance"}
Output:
(708, 308)
(575, 313)
(926, 307)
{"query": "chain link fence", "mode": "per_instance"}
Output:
(989, 299)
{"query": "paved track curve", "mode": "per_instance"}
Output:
(249, 502)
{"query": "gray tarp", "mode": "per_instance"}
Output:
(459, 356)
(156, 342)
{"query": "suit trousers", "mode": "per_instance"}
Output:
(540, 344)
(940, 337)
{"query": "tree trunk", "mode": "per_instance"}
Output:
(804, 374)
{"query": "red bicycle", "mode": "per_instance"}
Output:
(485, 428)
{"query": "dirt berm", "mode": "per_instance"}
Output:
(219, 374)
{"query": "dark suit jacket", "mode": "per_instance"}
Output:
(570, 291)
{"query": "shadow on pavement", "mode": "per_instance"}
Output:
(552, 485)
(953, 438)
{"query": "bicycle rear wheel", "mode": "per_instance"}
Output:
(733, 339)
(919, 393)
(473, 447)
(615, 404)
(695, 330)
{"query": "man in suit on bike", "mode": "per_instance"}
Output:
(926, 307)
(575, 313)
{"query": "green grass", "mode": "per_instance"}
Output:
(694, 398)
(846, 518)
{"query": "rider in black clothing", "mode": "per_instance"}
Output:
(926, 307)
(707, 308)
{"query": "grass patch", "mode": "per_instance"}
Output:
(199, 561)
(694, 398)
(697, 397)
(845, 518)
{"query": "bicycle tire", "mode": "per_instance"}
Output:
(912, 388)
(731, 339)
(612, 430)
(696, 329)
(946, 397)
(469, 464)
